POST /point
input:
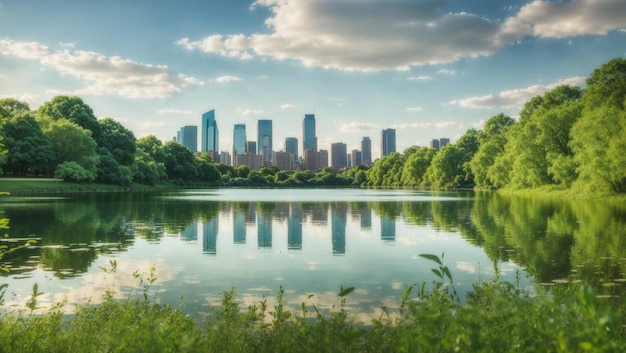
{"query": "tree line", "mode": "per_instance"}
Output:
(568, 137)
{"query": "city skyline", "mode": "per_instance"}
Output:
(424, 68)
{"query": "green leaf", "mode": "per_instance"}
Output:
(437, 272)
(431, 257)
(406, 294)
(345, 291)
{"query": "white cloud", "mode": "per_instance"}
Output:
(446, 72)
(358, 126)
(419, 78)
(286, 106)
(151, 124)
(420, 126)
(174, 111)
(103, 75)
(249, 112)
(370, 35)
(227, 78)
(414, 109)
(514, 98)
(33, 100)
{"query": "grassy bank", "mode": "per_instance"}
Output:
(34, 185)
(495, 317)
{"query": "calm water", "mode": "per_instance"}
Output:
(310, 241)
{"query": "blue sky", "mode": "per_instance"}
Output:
(428, 68)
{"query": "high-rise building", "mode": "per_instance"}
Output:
(239, 139)
(284, 160)
(188, 137)
(434, 144)
(251, 147)
(309, 139)
(210, 132)
(357, 158)
(291, 146)
(264, 141)
(388, 142)
(366, 150)
(338, 156)
(443, 141)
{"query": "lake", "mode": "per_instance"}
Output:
(309, 241)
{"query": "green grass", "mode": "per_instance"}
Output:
(496, 316)
(33, 185)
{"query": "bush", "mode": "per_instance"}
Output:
(72, 171)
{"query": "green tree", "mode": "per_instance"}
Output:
(491, 142)
(72, 143)
(207, 171)
(446, 168)
(179, 162)
(387, 171)
(30, 149)
(416, 166)
(110, 171)
(153, 147)
(118, 140)
(146, 170)
(73, 109)
(10, 107)
(242, 171)
(599, 136)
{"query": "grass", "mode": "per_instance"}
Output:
(34, 185)
(496, 316)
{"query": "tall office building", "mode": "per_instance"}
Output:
(188, 137)
(239, 139)
(291, 146)
(388, 142)
(339, 158)
(434, 144)
(443, 141)
(264, 140)
(210, 132)
(366, 150)
(357, 158)
(309, 140)
(251, 147)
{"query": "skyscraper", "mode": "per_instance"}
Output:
(188, 137)
(291, 146)
(339, 158)
(388, 142)
(309, 140)
(366, 149)
(210, 132)
(443, 141)
(239, 139)
(264, 140)
(357, 158)
(251, 147)
(434, 144)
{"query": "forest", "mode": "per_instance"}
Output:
(569, 138)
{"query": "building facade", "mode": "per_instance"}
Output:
(309, 139)
(264, 140)
(338, 155)
(188, 137)
(210, 132)
(291, 146)
(357, 158)
(387, 142)
(284, 160)
(251, 147)
(434, 144)
(239, 139)
(366, 150)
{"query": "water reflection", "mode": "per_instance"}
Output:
(314, 244)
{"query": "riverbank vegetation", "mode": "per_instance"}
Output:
(569, 140)
(495, 316)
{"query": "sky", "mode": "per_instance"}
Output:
(427, 68)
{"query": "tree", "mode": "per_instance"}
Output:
(146, 170)
(179, 162)
(73, 109)
(416, 166)
(599, 136)
(118, 141)
(153, 147)
(207, 171)
(10, 107)
(29, 148)
(446, 168)
(387, 171)
(71, 142)
(110, 171)
(72, 171)
(491, 142)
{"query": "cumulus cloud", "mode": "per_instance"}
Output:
(414, 109)
(174, 111)
(514, 98)
(358, 126)
(227, 78)
(103, 75)
(249, 112)
(286, 106)
(419, 78)
(370, 35)
(420, 126)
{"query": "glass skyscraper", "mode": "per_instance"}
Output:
(388, 142)
(366, 149)
(309, 140)
(188, 137)
(210, 132)
(291, 146)
(239, 139)
(264, 140)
